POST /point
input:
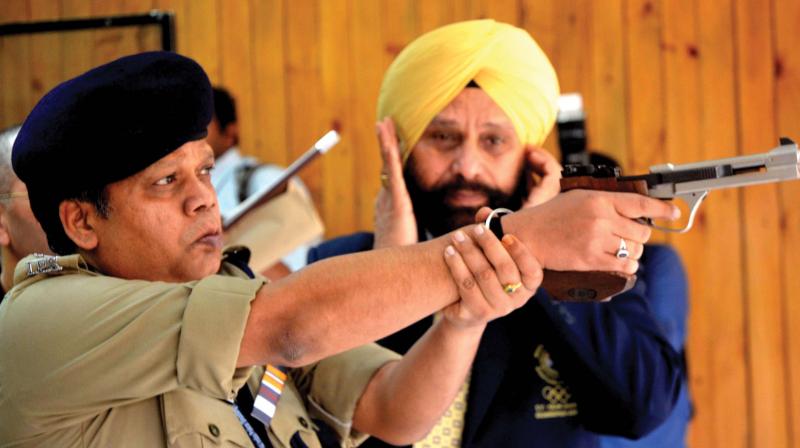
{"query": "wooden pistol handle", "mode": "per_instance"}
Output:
(592, 286)
(586, 286)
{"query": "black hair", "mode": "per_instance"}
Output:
(224, 107)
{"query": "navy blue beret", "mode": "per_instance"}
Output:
(113, 121)
(108, 124)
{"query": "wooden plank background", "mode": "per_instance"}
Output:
(663, 81)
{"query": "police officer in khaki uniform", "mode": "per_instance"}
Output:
(146, 334)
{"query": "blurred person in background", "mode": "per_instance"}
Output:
(20, 232)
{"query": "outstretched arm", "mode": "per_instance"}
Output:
(347, 301)
(437, 365)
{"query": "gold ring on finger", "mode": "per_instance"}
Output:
(385, 180)
(509, 288)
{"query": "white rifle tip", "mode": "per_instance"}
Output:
(327, 141)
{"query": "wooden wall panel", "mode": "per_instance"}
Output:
(662, 80)
(645, 89)
(507, 11)
(571, 54)
(235, 60)
(717, 367)
(764, 294)
(15, 75)
(76, 58)
(112, 43)
(306, 105)
(607, 103)
(431, 15)
(46, 64)
(269, 80)
(787, 73)
(335, 32)
(369, 41)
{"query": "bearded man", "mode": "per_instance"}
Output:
(463, 111)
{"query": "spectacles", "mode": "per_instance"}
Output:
(13, 194)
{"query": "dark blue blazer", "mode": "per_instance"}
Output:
(668, 298)
(555, 374)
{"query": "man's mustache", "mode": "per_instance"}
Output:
(433, 213)
(462, 184)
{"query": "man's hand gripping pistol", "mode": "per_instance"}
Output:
(690, 182)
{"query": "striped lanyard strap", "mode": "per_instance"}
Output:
(269, 393)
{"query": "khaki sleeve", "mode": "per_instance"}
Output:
(77, 344)
(211, 334)
(333, 386)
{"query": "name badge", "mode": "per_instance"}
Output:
(43, 265)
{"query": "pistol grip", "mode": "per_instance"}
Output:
(586, 286)
(592, 286)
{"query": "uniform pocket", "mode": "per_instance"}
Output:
(192, 419)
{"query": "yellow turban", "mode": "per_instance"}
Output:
(502, 59)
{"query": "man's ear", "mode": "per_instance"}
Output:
(231, 134)
(5, 237)
(74, 216)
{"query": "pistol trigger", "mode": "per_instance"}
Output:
(693, 200)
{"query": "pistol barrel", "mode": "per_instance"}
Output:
(779, 164)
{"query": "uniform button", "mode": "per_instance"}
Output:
(213, 429)
(303, 422)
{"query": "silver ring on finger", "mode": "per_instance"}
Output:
(622, 252)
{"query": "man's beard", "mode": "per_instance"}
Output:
(437, 217)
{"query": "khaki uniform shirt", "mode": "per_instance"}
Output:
(91, 360)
